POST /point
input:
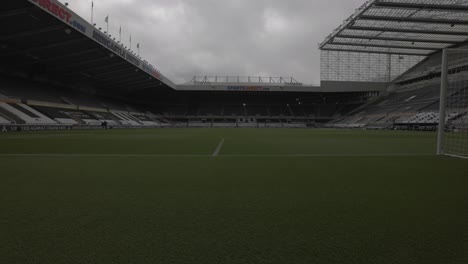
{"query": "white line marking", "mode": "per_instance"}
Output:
(218, 149)
(103, 155)
(331, 155)
(213, 155)
(456, 156)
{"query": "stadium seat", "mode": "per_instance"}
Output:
(4, 121)
(27, 114)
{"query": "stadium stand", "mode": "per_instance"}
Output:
(53, 113)
(68, 116)
(405, 56)
(55, 105)
(75, 75)
(413, 99)
(25, 114)
(4, 121)
(10, 118)
(107, 117)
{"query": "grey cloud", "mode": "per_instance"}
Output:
(184, 38)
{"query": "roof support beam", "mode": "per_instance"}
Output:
(152, 85)
(415, 20)
(441, 41)
(55, 45)
(67, 56)
(111, 73)
(89, 71)
(131, 90)
(46, 46)
(377, 52)
(33, 32)
(404, 30)
(135, 80)
(347, 23)
(16, 12)
(108, 66)
(123, 76)
(132, 86)
(383, 46)
(453, 8)
(417, 26)
(103, 59)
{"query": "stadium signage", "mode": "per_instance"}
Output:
(55, 9)
(19, 128)
(248, 88)
(61, 13)
(108, 43)
(117, 48)
(23, 128)
(151, 71)
(132, 59)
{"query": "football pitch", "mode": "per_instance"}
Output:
(231, 196)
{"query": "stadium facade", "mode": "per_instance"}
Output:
(380, 69)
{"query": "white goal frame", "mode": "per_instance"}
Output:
(444, 141)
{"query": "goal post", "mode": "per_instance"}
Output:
(442, 102)
(452, 139)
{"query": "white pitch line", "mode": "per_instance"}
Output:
(104, 155)
(330, 155)
(456, 156)
(215, 154)
(218, 149)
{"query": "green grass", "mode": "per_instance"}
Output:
(272, 196)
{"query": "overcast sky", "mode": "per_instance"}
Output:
(183, 38)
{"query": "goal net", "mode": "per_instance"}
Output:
(453, 125)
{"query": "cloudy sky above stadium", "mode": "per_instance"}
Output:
(184, 38)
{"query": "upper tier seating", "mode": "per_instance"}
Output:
(27, 114)
(461, 121)
(4, 121)
(407, 106)
(107, 117)
(127, 119)
(10, 117)
(425, 118)
(61, 116)
(145, 120)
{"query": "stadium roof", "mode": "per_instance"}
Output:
(45, 38)
(46, 41)
(404, 27)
